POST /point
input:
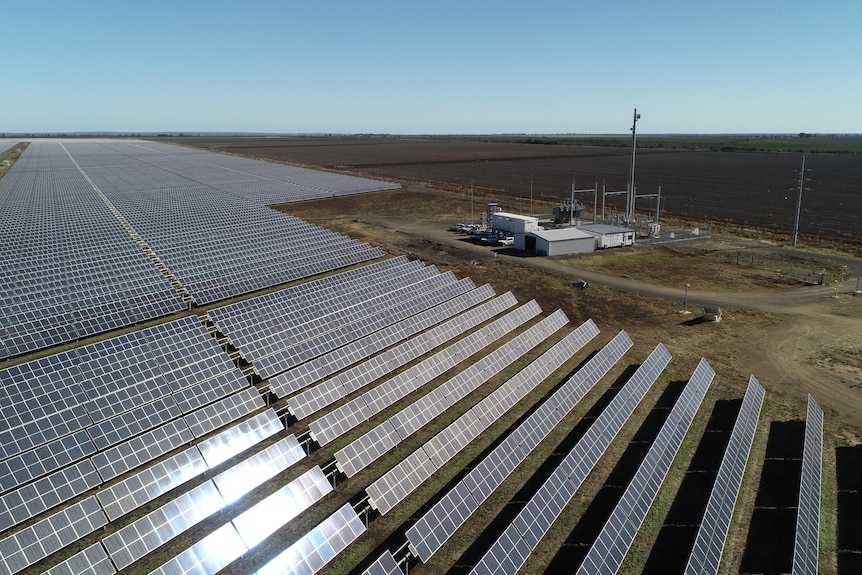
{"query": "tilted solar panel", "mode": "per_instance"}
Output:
(807, 540)
(712, 533)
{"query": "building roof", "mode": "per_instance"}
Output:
(602, 229)
(514, 216)
(561, 234)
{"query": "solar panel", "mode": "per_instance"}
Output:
(130, 543)
(806, 544)
(333, 424)
(709, 543)
(34, 543)
(384, 565)
(240, 437)
(610, 548)
(93, 560)
(208, 556)
(419, 413)
(316, 398)
(390, 489)
(144, 486)
(233, 483)
(222, 412)
(25, 502)
(264, 518)
(141, 449)
(20, 469)
(318, 547)
(508, 553)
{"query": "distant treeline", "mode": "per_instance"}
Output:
(799, 143)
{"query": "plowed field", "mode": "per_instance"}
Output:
(734, 189)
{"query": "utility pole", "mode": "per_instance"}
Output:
(572, 205)
(630, 207)
(798, 204)
(471, 201)
(531, 195)
(595, 199)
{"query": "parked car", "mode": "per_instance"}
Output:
(507, 241)
(456, 228)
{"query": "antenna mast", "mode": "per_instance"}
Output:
(630, 203)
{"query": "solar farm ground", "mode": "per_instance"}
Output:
(796, 340)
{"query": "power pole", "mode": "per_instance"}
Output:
(630, 204)
(798, 204)
(471, 201)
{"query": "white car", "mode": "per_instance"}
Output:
(507, 241)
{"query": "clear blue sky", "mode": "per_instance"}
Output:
(431, 67)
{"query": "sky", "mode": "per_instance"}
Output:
(433, 67)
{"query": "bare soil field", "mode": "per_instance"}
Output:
(736, 189)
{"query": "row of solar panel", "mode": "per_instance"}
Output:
(258, 331)
(351, 380)
(340, 420)
(428, 534)
(109, 407)
(712, 533)
(363, 320)
(611, 546)
(395, 485)
(806, 545)
(35, 542)
(366, 449)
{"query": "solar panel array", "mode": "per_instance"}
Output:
(162, 221)
(807, 541)
(391, 488)
(63, 528)
(305, 404)
(78, 419)
(344, 418)
(610, 548)
(383, 565)
(709, 543)
(197, 211)
(318, 547)
(249, 528)
(145, 534)
(68, 268)
(509, 552)
(310, 327)
(428, 534)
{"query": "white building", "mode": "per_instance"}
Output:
(610, 236)
(513, 224)
(558, 242)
